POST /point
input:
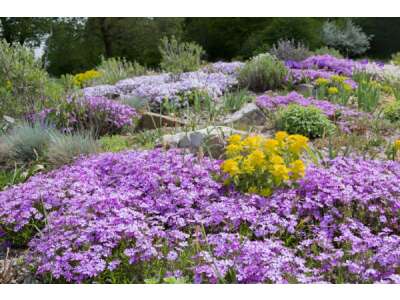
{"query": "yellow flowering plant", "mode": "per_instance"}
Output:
(259, 165)
(83, 79)
(393, 150)
(336, 89)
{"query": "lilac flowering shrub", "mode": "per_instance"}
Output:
(228, 68)
(98, 114)
(132, 216)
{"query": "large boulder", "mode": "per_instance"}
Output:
(249, 115)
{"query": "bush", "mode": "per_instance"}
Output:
(290, 50)
(328, 51)
(27, 142)
(262, 72)
(396, 59)
(259, 165)
(308, 121)
(350, 40)
(114, 143)
(115, 68)
(22, 80)
(63, 149)
(96, 114)
(177, 57)
(391, 111)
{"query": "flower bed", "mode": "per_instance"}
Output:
(115, 216)
(213, 80)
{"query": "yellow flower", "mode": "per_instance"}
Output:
(233, 149)
(281, 172)
(333, 90)
(252, 142)
(234, 139)
(322, 81)
(297, 143)
(281, 136)
(397, 145)
(298, 169)
(247, 166)
(257, 158)
(276, 160)
(230, 166)
(270, 145)
(338, 78)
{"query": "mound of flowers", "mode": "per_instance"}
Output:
(130, 216)
(99, 113)
(213, 80)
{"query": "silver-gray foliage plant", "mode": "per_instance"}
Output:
(350, 40)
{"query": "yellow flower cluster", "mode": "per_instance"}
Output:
(397, 145)
(334, 85)
(259, 165)
(82, 78)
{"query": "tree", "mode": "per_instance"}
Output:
(30, 31)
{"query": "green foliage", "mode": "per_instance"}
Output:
(22, 80)
(63, 149)
(26, 142)
(136, 102)
(396, 59)
(350, 39)
(368, 92)
(326, 50)
(290, 50)
(114, 143)
(233, 101)
(178, 57)
(115, 69)
(305, 120)
(391, 111)
(262, 72)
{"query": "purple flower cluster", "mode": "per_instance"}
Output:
(228, 68)
(327, 62)
(328, 108)
(157, 88)
(339, 225)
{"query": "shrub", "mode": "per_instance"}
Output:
(27, 142)
(96, 114)
(114, 143)
(328, 51)
(22, 80)
(396, 59)
(177, 57)
(262, 72)
(391, 111)
(63, 149)
(305, 120)
(290, 50)
(259, 165)
(115, 68)
(350, 40)
(86, 78)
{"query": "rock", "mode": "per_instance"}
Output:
(305, 88)
(150, 120)
(210, 140)
(248, 115)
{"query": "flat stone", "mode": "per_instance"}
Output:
(210, 140)
(305, 88)
(248, 115)
(150, 120)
